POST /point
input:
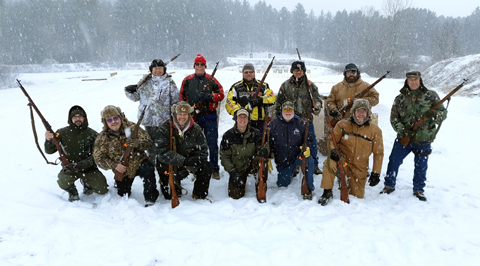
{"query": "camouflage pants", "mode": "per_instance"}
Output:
(93, 179)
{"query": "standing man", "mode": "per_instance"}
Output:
(238, 153)
(303, 93)
(357, 138)
(344, 92)
(110, 147)
(77, 139)
(159, 92)
(205, 104)
(414, 101)
(287, 134)
(241, 95)
(189, 154)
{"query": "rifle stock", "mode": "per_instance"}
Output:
(347, 107)
(405, 140)
(340, 164)
(126, 156)
(58, 146)
(304, 189)
(261, 188)
(174, 196)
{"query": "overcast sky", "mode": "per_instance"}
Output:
(453, 8)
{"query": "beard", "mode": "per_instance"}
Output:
(352, 79)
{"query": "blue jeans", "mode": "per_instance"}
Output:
(313, 145)
(399, 152)
(285, 174)
(210, 129)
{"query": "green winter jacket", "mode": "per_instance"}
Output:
(298, 93)
(77, 141)
(409, 106)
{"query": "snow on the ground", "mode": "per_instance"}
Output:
(40, 227)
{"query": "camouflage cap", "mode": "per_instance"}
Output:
(288, 104)
(182, 107)
(110, 110)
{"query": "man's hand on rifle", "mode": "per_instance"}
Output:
(334, 155)
(335, 114)
(306, 153)
(243, 101)
(121, 168)
(134, 142)
(263, 152)
(71, 168)
(206, 97)
(48, 135)
(256, 101)
(131, 88)
(410, 133)
(374, 179)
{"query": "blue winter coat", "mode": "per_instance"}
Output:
(286, 138)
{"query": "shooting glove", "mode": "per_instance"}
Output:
(243, 101)
(131, 88)
(135, 143)
(263, 152)
(192, 161)
(431, 114)
(374, 179)
(71, 169)
(306, 152)
(333, 113)
(256, 101)
(206, 97)
(235, 178)
(334, 156)
(316, 111)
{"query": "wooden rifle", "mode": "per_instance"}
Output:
(174, 196)
(261, 187)
(340, 165)
(199, 105)
(304, 188)
(257, 91)
(347, 107)
(126, 156)
(58, 145)
(405, 140)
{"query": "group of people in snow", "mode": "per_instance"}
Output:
(267, 126)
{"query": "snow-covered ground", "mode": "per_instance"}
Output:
(40, 227)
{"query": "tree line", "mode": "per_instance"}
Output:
(70, 31)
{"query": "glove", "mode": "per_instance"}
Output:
(257, 101)
(243, 101)
(181, 174)
(192, 161)
(133, 142)
(235, 178)
(334, 156)
(374, 179)
(333, 113)
(206, 97)
(263, 152)
(131, 88)
(306, 152)
(71, 168)
(431, 114)
(316, 111)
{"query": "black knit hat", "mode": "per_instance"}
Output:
(158, 63)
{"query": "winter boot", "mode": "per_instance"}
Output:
(420, 196)
(296, 171)
(73, 194)
(387, 190)
(87, 189)
(317, 171)
(326, 197)
(216, 175)
(149, 203)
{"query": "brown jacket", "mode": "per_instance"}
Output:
(342, 92)
(109, 148)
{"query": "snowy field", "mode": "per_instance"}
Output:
(40, 227)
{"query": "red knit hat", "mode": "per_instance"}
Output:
(200, 59)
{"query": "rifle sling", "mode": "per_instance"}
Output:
(36, 137)
(355, 134)
(440, 125)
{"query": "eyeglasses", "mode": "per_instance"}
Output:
(351, 72)
(288, 109)
(248, 72)
(297, 70)
(199, 64)
(110, 120)
(77, 116)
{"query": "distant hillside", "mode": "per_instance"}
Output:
(449, 73)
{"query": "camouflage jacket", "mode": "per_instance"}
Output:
(189, 142)
(409, 106)
(77, 143)
(109, 148)
(159, 93)
(298, 93)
